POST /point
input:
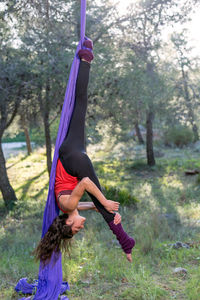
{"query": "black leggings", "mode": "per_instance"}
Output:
(72, 152)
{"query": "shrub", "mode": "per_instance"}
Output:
(179, 136)
(120, 195)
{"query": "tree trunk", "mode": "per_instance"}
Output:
(192, 122)
(138, 133)
(149, 139)
(195, 131)
(28, 141)
(26, 133)
(44, 108)
(8, 193)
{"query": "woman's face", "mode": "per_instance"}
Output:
(77, 223)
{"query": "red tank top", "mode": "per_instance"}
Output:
(63, 180)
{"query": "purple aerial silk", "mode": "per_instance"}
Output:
(49, 284)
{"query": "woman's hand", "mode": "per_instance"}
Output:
(117, 219)
(111, 206)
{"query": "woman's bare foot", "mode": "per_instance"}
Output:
(111, 206)
(86, 60)
(129, 257)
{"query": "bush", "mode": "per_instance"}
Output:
(120, 195)
(179, 136)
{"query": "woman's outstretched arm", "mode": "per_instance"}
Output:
(71, 203)
(86, 206)
(91, 206)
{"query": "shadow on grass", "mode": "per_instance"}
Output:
(3, 211)
(166, 206)
(17, 162)
(25, 187)
(41, 191)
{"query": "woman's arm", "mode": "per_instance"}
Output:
(86, 206)
(86, 184)
(90, 205)
(91, 187)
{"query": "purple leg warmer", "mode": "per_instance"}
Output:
(86, 52)
(126, 242)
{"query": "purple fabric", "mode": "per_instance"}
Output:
(49, 284)
(126, 242)
(26, 288)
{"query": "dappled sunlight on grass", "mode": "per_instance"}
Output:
(30, 179)
(145, 189)
(190, 211)
(172, 181)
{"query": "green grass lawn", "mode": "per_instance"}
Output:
(168, 210)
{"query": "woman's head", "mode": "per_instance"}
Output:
(57, 237)
(76, 222)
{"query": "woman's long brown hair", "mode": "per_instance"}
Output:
(57, 237)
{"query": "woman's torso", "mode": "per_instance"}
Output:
(63, 180)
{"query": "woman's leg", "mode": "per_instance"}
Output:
(71, 153)
(75, 138)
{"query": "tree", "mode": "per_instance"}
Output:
(184, 87)
(143, 37)
(12, 74)
(48, 31)
(46, 38)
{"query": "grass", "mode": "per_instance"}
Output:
(168, 210)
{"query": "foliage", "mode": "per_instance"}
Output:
(120, 86)
(37, 133)
(120, 195)
(15, 138)
(179, 136)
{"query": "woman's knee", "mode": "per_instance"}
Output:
(85, 181)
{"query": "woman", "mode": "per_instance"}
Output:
(75, 175)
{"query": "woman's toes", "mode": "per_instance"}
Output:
(129, 257)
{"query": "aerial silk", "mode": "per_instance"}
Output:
(49, 284)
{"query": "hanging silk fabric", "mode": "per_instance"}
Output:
(49, 284)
